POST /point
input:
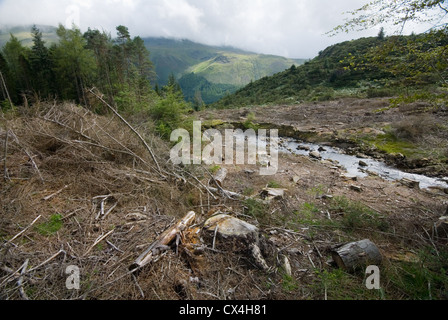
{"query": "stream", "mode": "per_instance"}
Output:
(352, 164)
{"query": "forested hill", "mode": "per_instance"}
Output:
(207, 73)
(366, 67)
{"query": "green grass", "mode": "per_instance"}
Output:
(214, 169)
(273, 184)
(356, 215)
(289, 284)
(307, 214)
(53, 225)
(337, 284)
(390, 144)
(423, 280)
(255, 209)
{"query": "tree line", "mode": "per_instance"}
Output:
(120, 68)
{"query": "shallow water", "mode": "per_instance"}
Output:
(351, 164)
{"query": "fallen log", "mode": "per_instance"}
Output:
(163, 242)
(356, 254)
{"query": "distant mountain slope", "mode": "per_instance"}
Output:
(223, 65)
(217, 70)
(23, 33)
(318, 79)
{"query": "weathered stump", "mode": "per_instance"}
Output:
(227, 233)
(357, 254)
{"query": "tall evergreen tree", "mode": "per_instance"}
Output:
(75, 65)
(41, 66)
(16, 56)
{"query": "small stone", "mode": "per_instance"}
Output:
(305, 148)
(363, 163)
(295, 179)
(315, 155)
(356, 188)
(349, 177)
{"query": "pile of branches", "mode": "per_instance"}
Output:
(80, 189)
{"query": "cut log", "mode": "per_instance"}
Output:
(220, 176)
(357, 254)
(163, 242)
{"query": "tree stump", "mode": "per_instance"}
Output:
(357, 254)
(220, 176)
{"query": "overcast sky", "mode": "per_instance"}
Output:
(290, 28)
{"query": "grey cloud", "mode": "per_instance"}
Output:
(293, 28)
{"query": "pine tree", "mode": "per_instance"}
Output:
(74, 64)
(16, 57)
(41, 66)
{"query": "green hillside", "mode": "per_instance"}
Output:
(218, 70)
(366, 67)
(23, 33)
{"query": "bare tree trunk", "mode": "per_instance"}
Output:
(6, 89)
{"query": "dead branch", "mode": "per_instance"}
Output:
(48, 260)
(98, 240)
(109, 211)
(5, 169)
(24, 230)
(162, 243)
(219, 177)
(132, 129)
(20, 281)
(6, 89)
(55, 194)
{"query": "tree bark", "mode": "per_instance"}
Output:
(357, 254)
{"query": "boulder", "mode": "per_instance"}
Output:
(356, 188)
(315, 155)
(295, 179)
(410, 183)
(305, 148)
